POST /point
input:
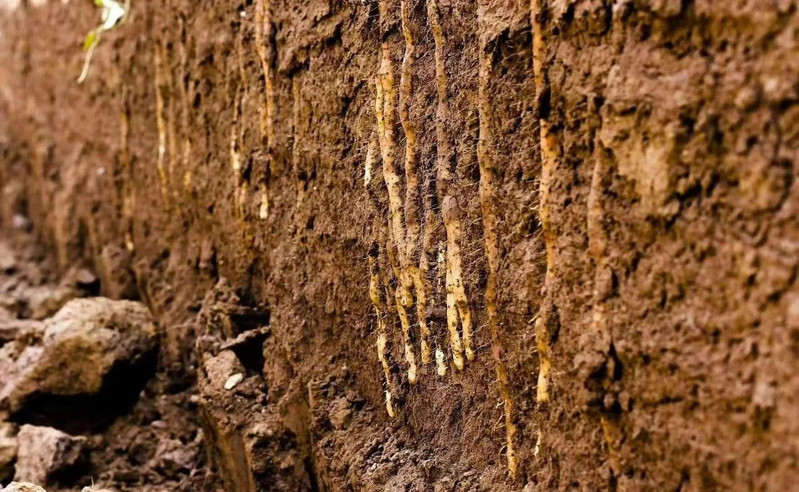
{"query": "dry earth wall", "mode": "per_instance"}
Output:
(497, 243)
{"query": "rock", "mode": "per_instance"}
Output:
(20, 329)
(46, 300)
(22, 487)
(8, 450)
(44, 452)
(82, 280)
(94, 355)
(233, 380)
(220, 368)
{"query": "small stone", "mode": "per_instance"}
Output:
(44, 451)
(21, 223)
(45, 300)
(87, 342)
(233, 380)
(220, 367)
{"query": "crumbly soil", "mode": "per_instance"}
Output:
(634, 159)
(155, 445)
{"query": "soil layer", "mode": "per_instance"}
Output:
(582, 212)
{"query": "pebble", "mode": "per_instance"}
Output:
(233, 380)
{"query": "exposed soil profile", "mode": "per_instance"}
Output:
(395, 245)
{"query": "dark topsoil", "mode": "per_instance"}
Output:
(666, 199)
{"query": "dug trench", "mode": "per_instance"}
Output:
(393, 245)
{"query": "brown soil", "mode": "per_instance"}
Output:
(621, 176)
(156, 444)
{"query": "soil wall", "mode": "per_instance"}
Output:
(557, 240)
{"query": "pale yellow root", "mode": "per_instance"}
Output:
(371, 155)
(235, 157)
(125, 160)
(263, 45)
(402, 313)
(385, 112)
(441, 362)
(382, 340)
(455, 285)
(240, 188)
(549, 156)
(263, 209)
(452, 325)
(390, 405)
(171, 132)
(541, 333)
(412, 189)
(487, 175)
(265, 49)
(457, 301)
(184, 118)
(160, 122)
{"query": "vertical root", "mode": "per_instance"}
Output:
(402, 311)
(452, 324)
(412, 189)
(371, 155)
(491, 237)
(457, 301)
(265, 47)
(183, 92)
(169, 106)
(382, 337)
(385, 111)
(264, 40)
(549, 155)
(455, 285)
(160, 122)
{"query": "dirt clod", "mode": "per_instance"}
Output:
(93, 352)
(45, 453)
(23, 487)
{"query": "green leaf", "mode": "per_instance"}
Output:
(99, 3)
